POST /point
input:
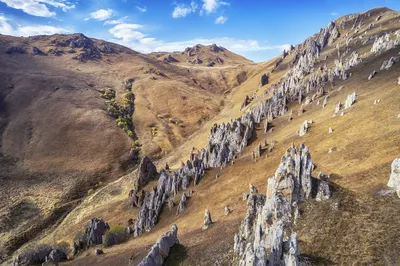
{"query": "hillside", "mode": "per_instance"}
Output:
(202, 55)
(46, 117)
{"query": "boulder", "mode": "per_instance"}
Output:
(227, 210)
(351, 98)
(146, 171)
(394, 180)
(372, 75)
(207, 219)
(304, 128)
(160, 250)
(95, 230)
(263, 80)
(181, 206)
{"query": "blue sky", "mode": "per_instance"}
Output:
(257, 30)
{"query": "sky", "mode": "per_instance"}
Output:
(258, 30)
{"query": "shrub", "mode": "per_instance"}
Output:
(90, 191)
(116, 235)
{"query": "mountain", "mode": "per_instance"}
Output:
(203, 55)
(75, 125)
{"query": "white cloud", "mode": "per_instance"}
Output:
(130, 35)
(39, 8)
(182, 10)
(127, 33)
(7, 29)
(211, 6)
(221, 20)
(334, 14)
(116, 21)
(141, 9)
(101, 14)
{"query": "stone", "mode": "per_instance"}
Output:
(263, 80)
(37, 51)
(325, 102)
(245, 102)
(98, 251)
(227, 210)
(372, 75)
(57, 255)
(351, 98)
(136, 198)
(207, 219)
(323, 191)
(330, 150)
(146, 171)
(95, 230)
(330, 130)
(394, 180)
(160, 250)
(182, 203)
(253, 189)
(340, 88)
(304, 128)
(268, 223)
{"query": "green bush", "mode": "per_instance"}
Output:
(116, 235)
(90, 191)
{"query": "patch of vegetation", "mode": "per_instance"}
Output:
(90, 192)
(116, 235)
(154, 71)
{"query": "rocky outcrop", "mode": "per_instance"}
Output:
(245, 102)
(387, 64)
(182, 203)
(386, 42)
(216, 49)
(304, 127)
(170, 59)
(146, 172)
(263, 80)
(351, 99)
(95, 230)
(16, 50)
(207, 220)
(265, 236)
(394, 180)
(37, 51)
(160, 250)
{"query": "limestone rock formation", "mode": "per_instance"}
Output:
(227, 210)
(207, 219)
(160, 250)
(181, 206)
(263, 80)
(387, 64)
(146, 171)
(266, 234)
(394, 180)
(304, 127)
(95, 230)
(386, 42)
(245, 102)
(351, 99)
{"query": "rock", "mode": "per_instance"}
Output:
(37, 51)
(372, 75)
(207, 220)
(136, 198)
(330, 150)
(216, 49)
(323, 191)
(263, 80)
(266, 224)
(16, 50)
(146, 171)
(227, 210)
(57, 255)
(304, 128)
(325, 102)
(394, 180)
(160, 250)
(308, 100)
(170, 203)
(245, 102)
(170, 59)
(253, 189)
(330, 130)
(98, 251)
(340, 88)
(181, 206)
(351, 98)
(337, 107)
(95, 230)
